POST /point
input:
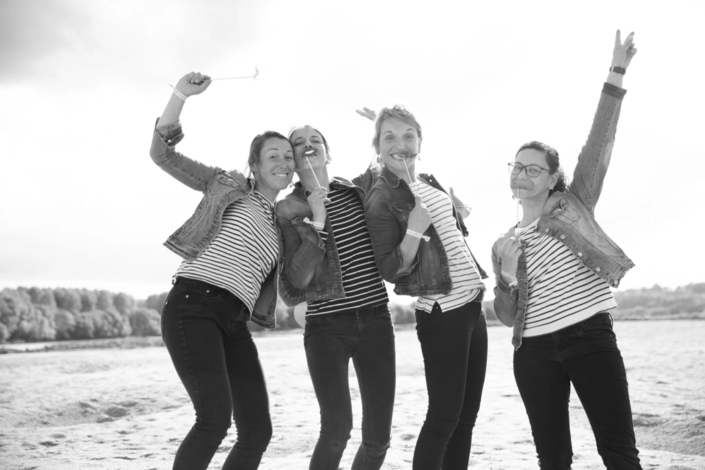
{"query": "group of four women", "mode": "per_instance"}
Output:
(332, 242)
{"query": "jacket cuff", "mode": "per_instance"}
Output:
(503, 286)
(171, 134)
(614, 91)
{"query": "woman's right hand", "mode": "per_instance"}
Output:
(419, 217)
(509, 255)
(193, 83)
(317, 200)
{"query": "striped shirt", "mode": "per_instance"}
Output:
(362, 283)
(464, 275)
(243, 253)
(562, 291)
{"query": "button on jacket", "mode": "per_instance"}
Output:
(387, 209)
(570, 218)
(220, 188)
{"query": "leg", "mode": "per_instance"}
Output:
(328, 342)
(544, 387)
(250, 400)
(600, 379)
(457, 453)
(375, 364)
(194, 338)
(445, 344)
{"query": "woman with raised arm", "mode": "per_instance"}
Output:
(329, 263)
(554, 271)
(228, 276)
(418, 234)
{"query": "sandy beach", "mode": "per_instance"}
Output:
(126, 409)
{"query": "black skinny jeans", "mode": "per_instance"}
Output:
(454, 347)
(587, 355)
(213, 352)
(366, 336)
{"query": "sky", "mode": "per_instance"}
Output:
(82, 82)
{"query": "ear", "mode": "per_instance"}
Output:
(420, 140)
(553, 180)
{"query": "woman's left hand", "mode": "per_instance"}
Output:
(623, 52)
(368, 113)
(460, 206)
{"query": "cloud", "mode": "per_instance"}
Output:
(33, 32)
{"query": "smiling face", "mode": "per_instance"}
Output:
(525, 187)
(275, 168)
(397, 140)
(309, 144)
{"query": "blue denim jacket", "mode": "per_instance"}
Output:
(311, 268)
(387, 209)
(220, 188)
(570, 217)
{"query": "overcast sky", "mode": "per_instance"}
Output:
(81, 83)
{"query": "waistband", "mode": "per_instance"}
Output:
(381, 308)
(202, 286)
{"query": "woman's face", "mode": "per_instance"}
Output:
(525, 187)
(397, 140)
(275, 168)
(308, 144)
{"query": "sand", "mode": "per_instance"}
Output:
(126, 409)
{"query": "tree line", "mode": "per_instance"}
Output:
(44, 314)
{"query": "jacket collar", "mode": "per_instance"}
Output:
(393, 180)
(335, 182)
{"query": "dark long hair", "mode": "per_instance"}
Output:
(552, 160)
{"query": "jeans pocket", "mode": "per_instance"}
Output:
(600, 330)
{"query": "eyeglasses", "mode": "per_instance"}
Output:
(532, 171)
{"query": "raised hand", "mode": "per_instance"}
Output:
(623, 53)
(419, 217)
(460, 206)
(368, 113)
(317, 200)
(509, 255)
(193, 83)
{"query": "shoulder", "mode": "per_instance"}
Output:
(237, 176)
(504, 236)
(291, 206)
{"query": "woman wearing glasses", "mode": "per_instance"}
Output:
(418, 232)
(554, 271)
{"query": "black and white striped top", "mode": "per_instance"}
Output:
(362, 283)
(243, 253)
(466, 279)
(562, 291)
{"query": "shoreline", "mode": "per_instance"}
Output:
(132, 342)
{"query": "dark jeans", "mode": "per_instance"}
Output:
(366, 336)
(454, 347)
(587, 355)
(212, 350)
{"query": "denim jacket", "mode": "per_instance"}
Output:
(220, 188)
(570, 217)
(311, 267)
(387, 209)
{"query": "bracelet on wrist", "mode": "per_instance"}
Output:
(178, 93)
(617, 69)
(417, 234)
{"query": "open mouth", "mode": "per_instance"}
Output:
(310, 153)
(403, 155)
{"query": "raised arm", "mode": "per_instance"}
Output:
(168, 133)
(594, 158)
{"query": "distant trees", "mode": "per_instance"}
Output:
(40, 314)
